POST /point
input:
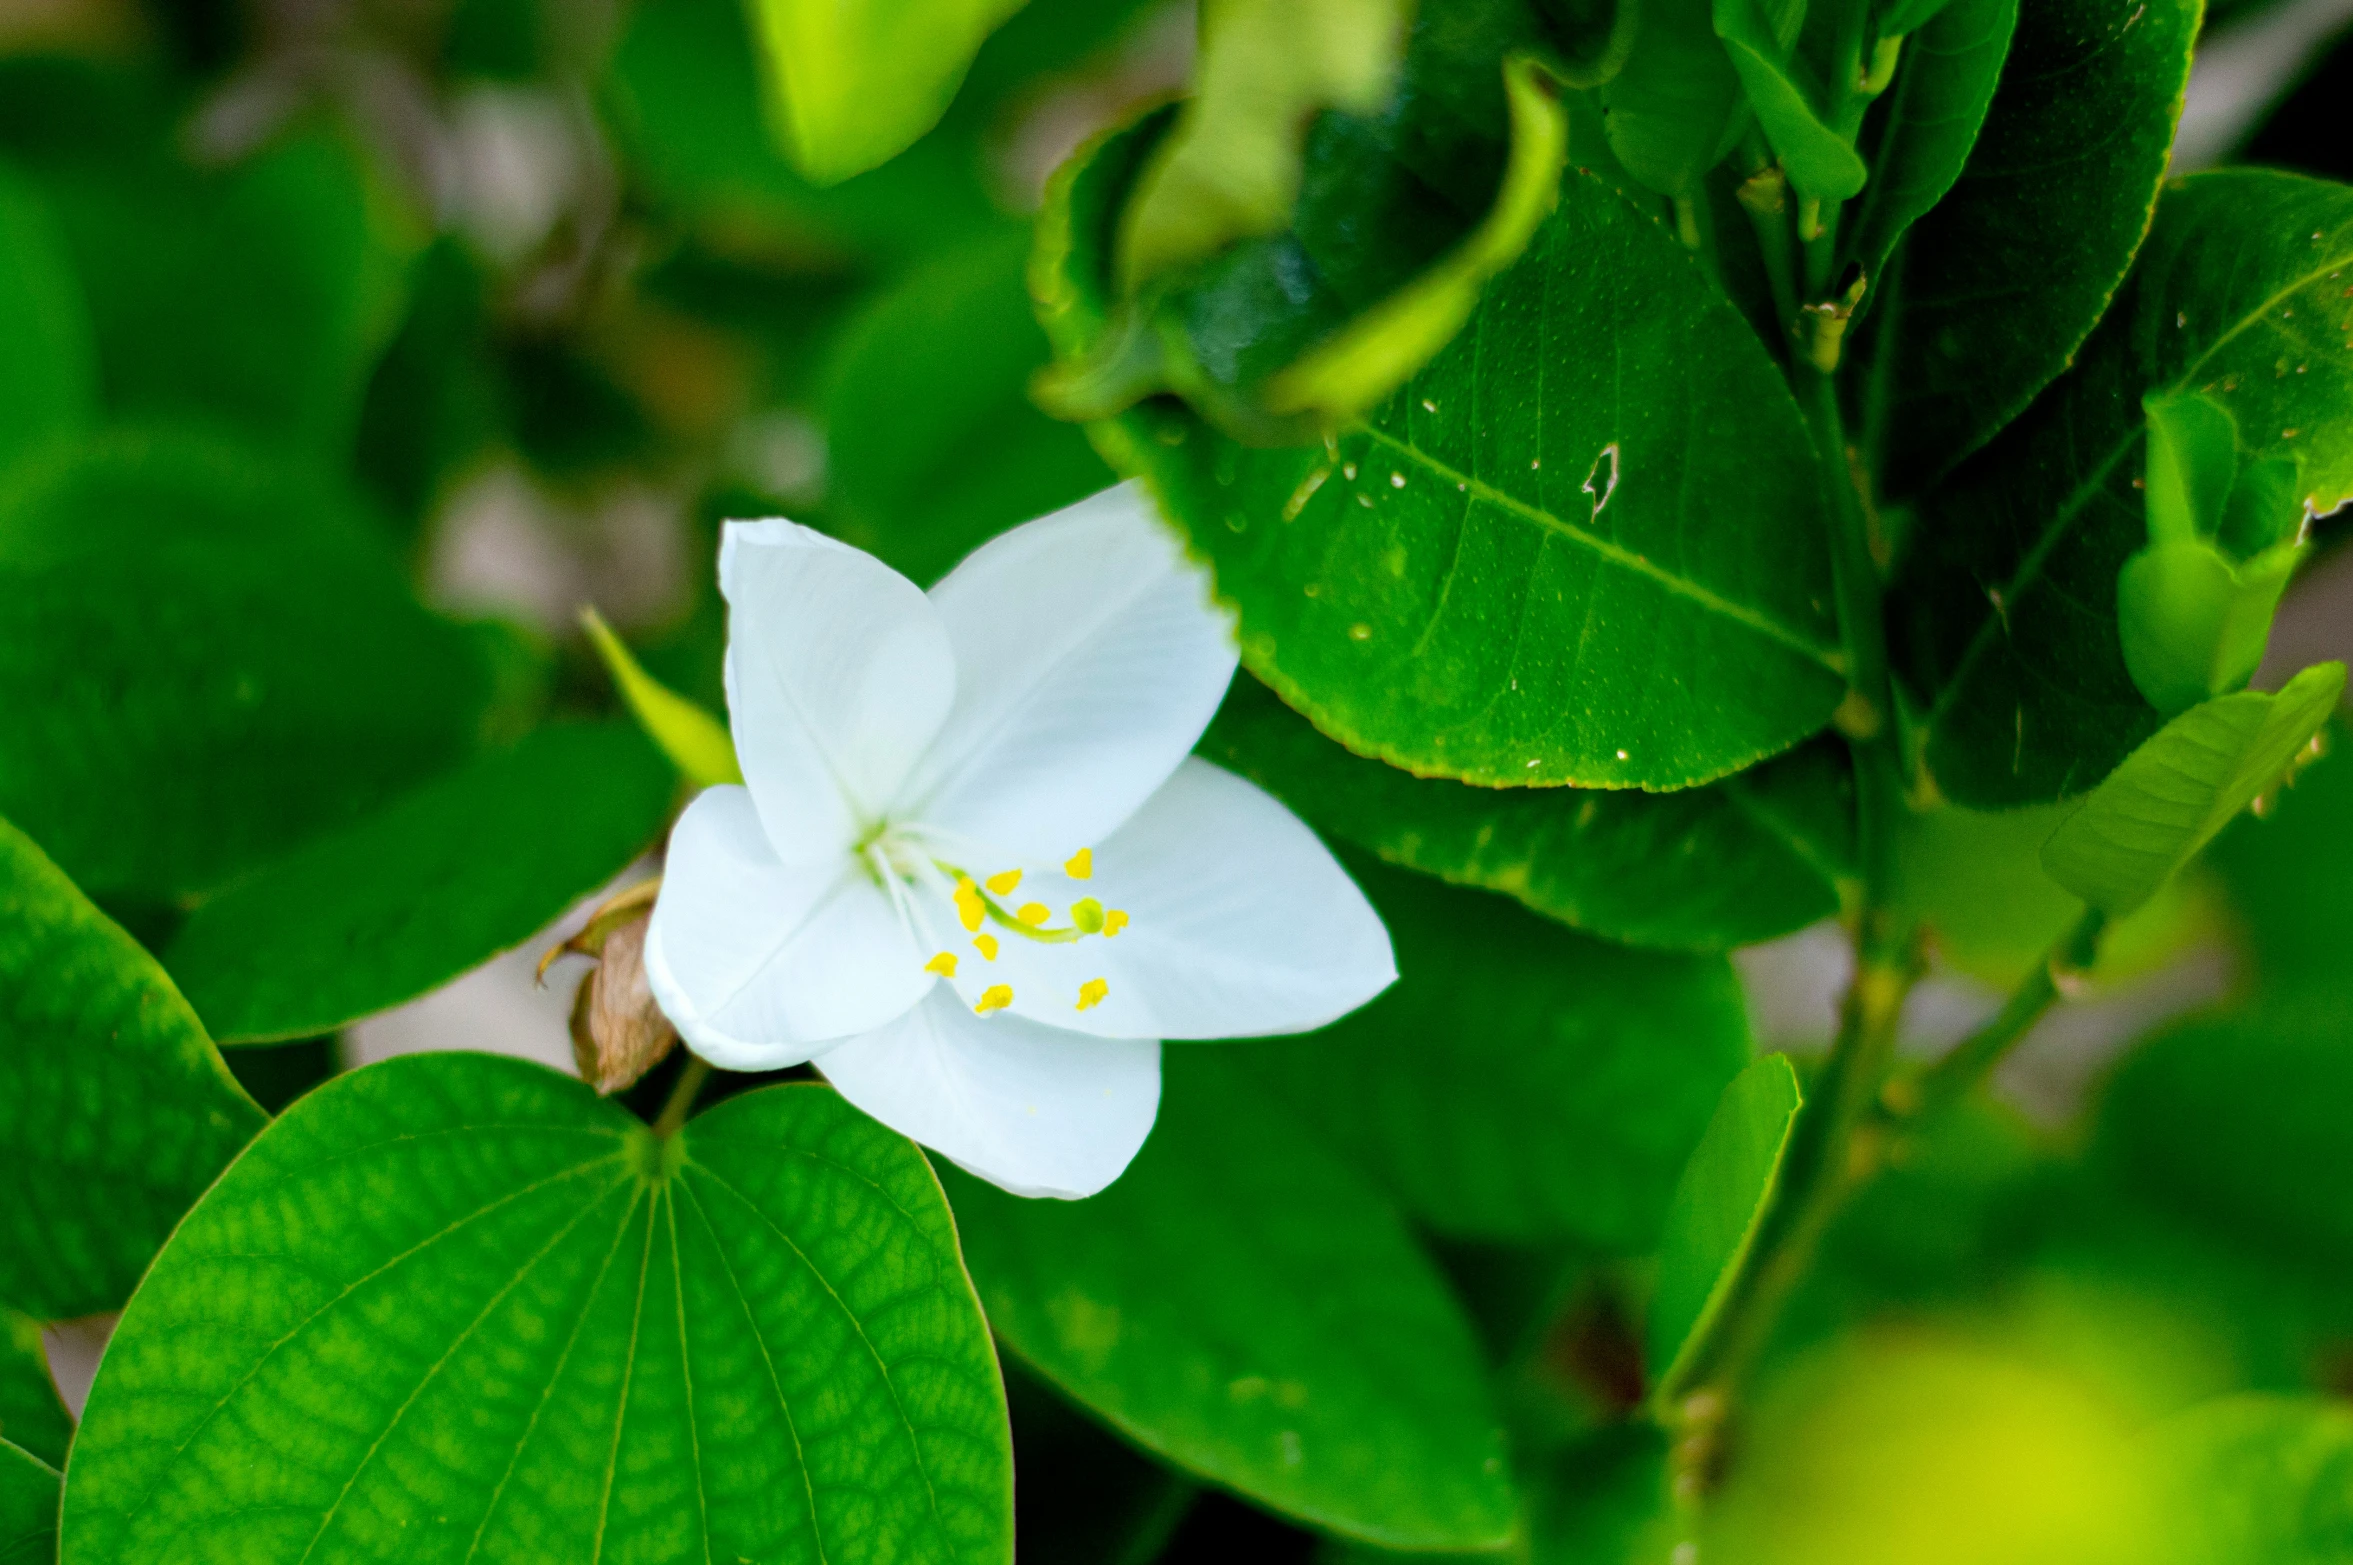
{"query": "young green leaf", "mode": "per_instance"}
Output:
(852, 84)
(1821, 164)
(32, 1416)
(207, 657)
(696, 741)
(1519, 1083)
(1242, 1303)
(456, 1306)
(436, 883)
(115, 1110)
(1754, 856)
(2007, 602)
(2004, 278)
(28, 1507)
(2169, 798)
(49, 378)
(1719, 1202)
(2258, 1480)
(1932, 116)
(1674, 108)
(1473, 582)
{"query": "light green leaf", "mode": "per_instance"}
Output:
(2003, 279)
(2006, 606)
(1230, 168)
(1719, 1203)
(208, 656)
(435, 884)
(1374, 353)
(49, 375)
(115, 1110)
(1749, 858)
(458, 1307)
(28, 1507)
(2258, 1480)
(851, 83)
(2172, 795)
(695, 740)
(32, 1415)
(1519, 1083)
(1932, 116)
(1821, 164)
(932, 443)
(1479, 583)
(1242, 1303)
(1674, 109)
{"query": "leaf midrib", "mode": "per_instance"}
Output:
(1626, 559)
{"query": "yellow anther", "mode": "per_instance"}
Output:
(994, 998)
(1033, 914)
(1087, 915)
(943, 964)
(1003, 884)
(1080, 865)
(969, 908)
(986, 945)
(1113, 922)
(1091, 993)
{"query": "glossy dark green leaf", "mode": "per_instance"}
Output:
(115, 1110)
(438, 882)
(2006, 609)
(1930, 120)
(2168, 798)
(2258, 1480)
(2004, 278)
(28, 1507)
(1519, 1082)
(298, 262)
(1718, 1205)
(1244, 1304)
(49, 376)
(1515, 571)
(1749, 858)
(933, 446)
(206, 657)
(1673, 109)
(456, 1307)
(32, 1416)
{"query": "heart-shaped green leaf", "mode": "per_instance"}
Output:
(207, 657)
(436, 883)
(1243, 1303)
(455, 1307)
(2006, 607)
(1520, 1082)
(1754, 856)
(115, 1109)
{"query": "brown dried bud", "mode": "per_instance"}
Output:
(618, 1032)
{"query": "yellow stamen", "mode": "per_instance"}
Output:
(1033, 914)
(1091, 993)
(1113, 922)
(943, 964)
(986, 945)
(1003, 884)
(1087, 914)
(1081, 865)
(969, 908)
(994, 998)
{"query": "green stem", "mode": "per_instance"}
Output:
(1963, 1070)
(682, 1096)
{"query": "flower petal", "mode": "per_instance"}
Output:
(1239, 923)
(839, 673)
(1089, 657)
(1040, 1111)
(757, 963)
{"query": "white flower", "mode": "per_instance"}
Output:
(973, 872)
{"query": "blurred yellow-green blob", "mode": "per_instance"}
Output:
(1921, 1449)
